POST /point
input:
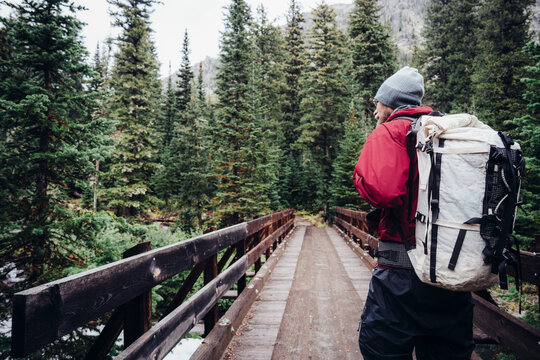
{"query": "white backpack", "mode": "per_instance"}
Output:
(469, 180)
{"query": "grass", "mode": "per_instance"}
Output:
(315, 219)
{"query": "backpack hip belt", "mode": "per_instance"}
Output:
(393, 254)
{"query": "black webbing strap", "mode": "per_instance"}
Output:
(459, 243)
(434, 189)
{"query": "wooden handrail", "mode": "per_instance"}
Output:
(163, 336)
(47, 312)
(517, 336)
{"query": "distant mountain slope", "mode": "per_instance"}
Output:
(404, 17)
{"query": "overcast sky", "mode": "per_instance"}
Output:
(203, 20)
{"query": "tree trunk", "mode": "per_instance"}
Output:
(96, 181)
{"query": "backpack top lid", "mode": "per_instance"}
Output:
(461, 127)
(435, 126)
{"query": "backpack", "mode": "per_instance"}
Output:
(469, 181)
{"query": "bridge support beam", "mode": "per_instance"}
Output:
(210, 273)
(137, 312)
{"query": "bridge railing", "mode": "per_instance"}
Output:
(47, 312)
(494, 325)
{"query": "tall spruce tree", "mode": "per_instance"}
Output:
(169, 113)
(500, 63)
(48, 136)
(135, 105)
(101, 82)
(186, 165)
(449, 52)
(233, 117)
(165, 131)
(293, 68)
(185, 78)
(267, 83)
(373, 56)
(324, 95)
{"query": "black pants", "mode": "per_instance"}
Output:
(402, 313)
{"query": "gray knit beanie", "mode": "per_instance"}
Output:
(406, 87)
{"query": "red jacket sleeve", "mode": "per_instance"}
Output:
(381, 174)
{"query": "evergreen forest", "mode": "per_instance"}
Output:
(94, 146)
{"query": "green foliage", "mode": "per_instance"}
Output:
(186, 170)
(134, 104)
(324, 94)
(448, 55)
(233, 117)
(265, 133)
(373, 56)
(50, 136)
(500, 63)
(527, 132)
(185, 77)
(293, 68)
(342, 188)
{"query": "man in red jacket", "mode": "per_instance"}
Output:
(402, 313)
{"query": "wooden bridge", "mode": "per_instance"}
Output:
(303, 301)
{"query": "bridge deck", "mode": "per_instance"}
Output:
(310, 308)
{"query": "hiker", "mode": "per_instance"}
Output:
(401, 313)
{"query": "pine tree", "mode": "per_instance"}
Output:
(100, 82)
(233, 116)
(267, 87)
(342, 187)
(501, 64)
(200, 93)
(135, 105)
(169, 113)
(49, 136)
(165, 130)
(186, 165)
(324, 95)
(528, 135)
(373, 56)
(448, 54)
(294, 67)
(185, 77)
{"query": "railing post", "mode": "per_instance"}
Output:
(210, 272)
(260, 236)
(137, 312)
(240, 251)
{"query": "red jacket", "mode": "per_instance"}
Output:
(382, 172)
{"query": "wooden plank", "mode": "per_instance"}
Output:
(530, 267)
(216, 342)
(322, 303)
(47, 312)
(162, 337)
(520, 338)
